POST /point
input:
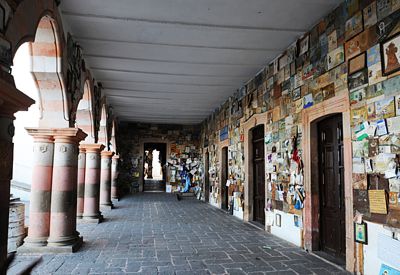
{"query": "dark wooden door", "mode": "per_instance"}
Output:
(224, 171)
(331, 186)
(207, 177)
(258, 174)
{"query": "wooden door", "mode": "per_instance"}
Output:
(331, 186)
(224, 172)
(258, 174)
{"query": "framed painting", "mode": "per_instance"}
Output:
(390, 55)
(357, 63)
(354, 26)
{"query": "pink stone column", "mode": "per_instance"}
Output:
(64, 189)
(40, 197)
(81, 181)
(114, 178)
(105, 181)
(91, 211)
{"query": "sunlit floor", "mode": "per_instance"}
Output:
(153, 233)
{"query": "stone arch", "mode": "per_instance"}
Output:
(85, 115)
(37, 73)
(114, 139)
(24, 23)
(104, 137)
(46, 54)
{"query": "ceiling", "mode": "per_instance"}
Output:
(175, 61)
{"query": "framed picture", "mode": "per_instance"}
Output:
(278, 220)
(354, 26)
(390, 55)
(357, 63)
(360, 233)
(358, 80)
(304, 44)
(335, 57)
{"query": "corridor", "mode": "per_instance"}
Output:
(153, 233)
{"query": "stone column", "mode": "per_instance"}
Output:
(81, 181)
(114, 177)
(11, 101)
(40, 197)
(105, 181)
(91, 212)
(6, 163)
(63, 234)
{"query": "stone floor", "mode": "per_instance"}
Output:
(153, 233)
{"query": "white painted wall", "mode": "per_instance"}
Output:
(23, 143)
(372, 261)
(287, 231)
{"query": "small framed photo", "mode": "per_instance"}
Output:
(361, 233)
(278, 220)
(357, 63)
(304, 44)
(390, 55)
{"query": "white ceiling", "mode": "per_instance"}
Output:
(175, 61)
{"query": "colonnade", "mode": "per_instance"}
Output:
(71, 181)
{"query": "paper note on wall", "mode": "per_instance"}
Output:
(388, 250)
(377, 201)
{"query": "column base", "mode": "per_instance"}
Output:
(115, 199)
(91, 219)
(51, 249)
(35, 242)
(106, 207)
(79, 216)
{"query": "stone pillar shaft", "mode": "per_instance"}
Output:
(40, 197)
(105, 180)
(11, 101)
(81, 181)
(64, 188)
(6, 152)
(114, 177)
(91, 212)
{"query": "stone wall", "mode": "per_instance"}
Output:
(339, 61)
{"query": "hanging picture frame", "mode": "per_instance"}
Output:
(354, 25)
(357, 63)
(361, 233)
(304, 44)
(390, 55)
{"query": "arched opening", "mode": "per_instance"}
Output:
(37, 73)
(113, 141)
(103, 135)
(84, 115)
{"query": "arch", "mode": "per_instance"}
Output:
(113, 140)
(25, 21)
(85, 115)
(103, 133)
(46, 68)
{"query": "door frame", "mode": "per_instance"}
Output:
(252, 165)
(224, 173)
(246, 129)
(141, 152)
(310, 117)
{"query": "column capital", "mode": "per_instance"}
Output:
(82, 149)
(68, 135)
(115, 156)
(92, 147)
(107, 154)
(12, 99)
